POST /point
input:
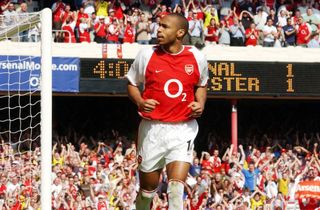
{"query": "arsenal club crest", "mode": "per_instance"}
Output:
(188, 68)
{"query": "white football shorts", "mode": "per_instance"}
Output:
(160, 143)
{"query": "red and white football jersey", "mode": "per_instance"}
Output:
(170, 79)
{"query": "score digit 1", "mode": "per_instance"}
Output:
(290, 78)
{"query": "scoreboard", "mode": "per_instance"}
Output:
(227, 78)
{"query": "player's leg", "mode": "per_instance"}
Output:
(148, 188)
(151, 162)
(178, 161)
(177, 172)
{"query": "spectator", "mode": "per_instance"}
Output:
(269, 33)
(93, 19)
(57, 11)
(195, 168)
(121, 31)
(279, 37)
(296, 17)
(206, 164)
(143, 30)
(4, 6)
(135, 16)
(273, 16)
(314, 41)
(178, 9)
(23, 15)
(111, 17)
(257, 199)
(102, 7)
(251, 35)
(251, 174)
(119, 8)
(89, 7)
(310, 17)
(282, 18)
(10, 15)
(69, 26)
(154, 26)
(246, 19)
(67, 13)
(283, 184)
(216, 161)
(289, 33)
(211, 33)
(160, 10)
(237, 33)
(224, 35)
(100, 29)
(84, 27)
(260, 19)
(129, 32)
(195, 29)
(81, 18)
(210, 13)
(303, 33)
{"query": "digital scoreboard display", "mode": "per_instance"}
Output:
(231, 78)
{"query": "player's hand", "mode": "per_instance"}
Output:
(148, 105)
(196, 108)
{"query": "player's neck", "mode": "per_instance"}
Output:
(172, 49)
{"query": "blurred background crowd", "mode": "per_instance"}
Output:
(268, 23)
(94, 158)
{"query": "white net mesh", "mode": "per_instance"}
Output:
(20, 110)
(20, 26)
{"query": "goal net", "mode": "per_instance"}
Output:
(25, 110)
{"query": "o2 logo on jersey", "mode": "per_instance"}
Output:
(188, 68)
(178, 93)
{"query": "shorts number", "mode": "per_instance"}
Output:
(177, 94)
(189, 145)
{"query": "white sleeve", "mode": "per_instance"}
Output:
(274, 29)
(111, 29)
(202, 66)
(73, 24)
(309, 27)
(82, 27)
(264, 29)
(53, 7)
(137, 70)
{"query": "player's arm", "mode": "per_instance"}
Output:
(197, 106)
(200, 91)
(135, 77)
(145, 105)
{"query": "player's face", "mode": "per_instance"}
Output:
(168, 30)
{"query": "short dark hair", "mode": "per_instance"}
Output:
(183, 22)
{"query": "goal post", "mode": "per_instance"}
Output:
(26, 109)
(46, 107)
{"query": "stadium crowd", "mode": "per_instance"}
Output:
(236, 23)
(100, 172)
(268, 23)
